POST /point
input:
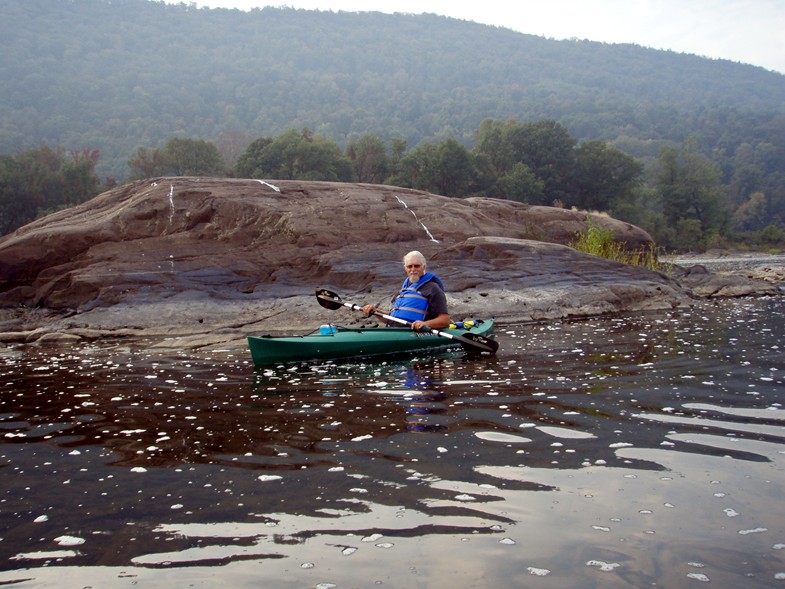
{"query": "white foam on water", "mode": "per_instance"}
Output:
(502, 438)
(605, 567)
(753, 531)
(50, 555)
(565, 433)
(373, 538)
(69, 541)
(538, 572)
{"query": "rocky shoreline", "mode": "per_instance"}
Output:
(201, 263)
(755, 265)
(201, 323)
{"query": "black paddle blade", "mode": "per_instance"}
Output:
(479, 343)
(328, 299)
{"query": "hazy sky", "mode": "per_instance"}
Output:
(748, 31)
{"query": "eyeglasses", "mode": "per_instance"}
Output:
(410, 266)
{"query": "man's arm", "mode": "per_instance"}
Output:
(439, 322)
(437, 308)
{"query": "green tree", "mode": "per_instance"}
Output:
(746, 180)
(547, 148)
(295, 155)
(447, 168)
(148, 163)
(491, 140)
(773, 235)
(520, 184)
(603, 176)
(688, 235)
(231, 145)
(752, 215)
(418, 168)
(644, 209)
(321, 159)
(17, 202)
(455, 170)
(397, 149)
(250, 162)
(193, 157)
(180, 156)
(281, 158)
(774, 189)
(42, 180)
(369, 159)
(79, 182)
(691, 189)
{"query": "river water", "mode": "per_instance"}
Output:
(631, 451)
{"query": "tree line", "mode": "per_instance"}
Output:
(43, 180)
(119, 74)
(536, 163)
(680, 197)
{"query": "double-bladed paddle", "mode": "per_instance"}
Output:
(471, 342)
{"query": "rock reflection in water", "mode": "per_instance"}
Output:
(625, 451)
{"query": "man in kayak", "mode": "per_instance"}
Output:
(421, 299)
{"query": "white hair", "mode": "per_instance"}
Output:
(417, 256)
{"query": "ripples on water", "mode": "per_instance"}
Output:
(619, 452)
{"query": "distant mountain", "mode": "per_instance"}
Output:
(120, 74)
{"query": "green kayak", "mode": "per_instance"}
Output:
(335, 342)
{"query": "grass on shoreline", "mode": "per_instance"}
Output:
(600, 242)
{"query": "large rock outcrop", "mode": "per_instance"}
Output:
(204, 256)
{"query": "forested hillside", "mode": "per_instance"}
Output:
(115, 76)
(127, 73)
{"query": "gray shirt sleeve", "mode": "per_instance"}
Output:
(437, 300)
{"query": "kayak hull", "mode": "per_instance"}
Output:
(349, 343)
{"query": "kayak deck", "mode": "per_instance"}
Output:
(346, 342)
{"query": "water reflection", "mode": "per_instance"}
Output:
(625, 451)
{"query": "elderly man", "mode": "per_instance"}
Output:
(421, 300)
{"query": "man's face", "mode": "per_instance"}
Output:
(414, 270)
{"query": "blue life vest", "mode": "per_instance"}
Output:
(409, 304)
